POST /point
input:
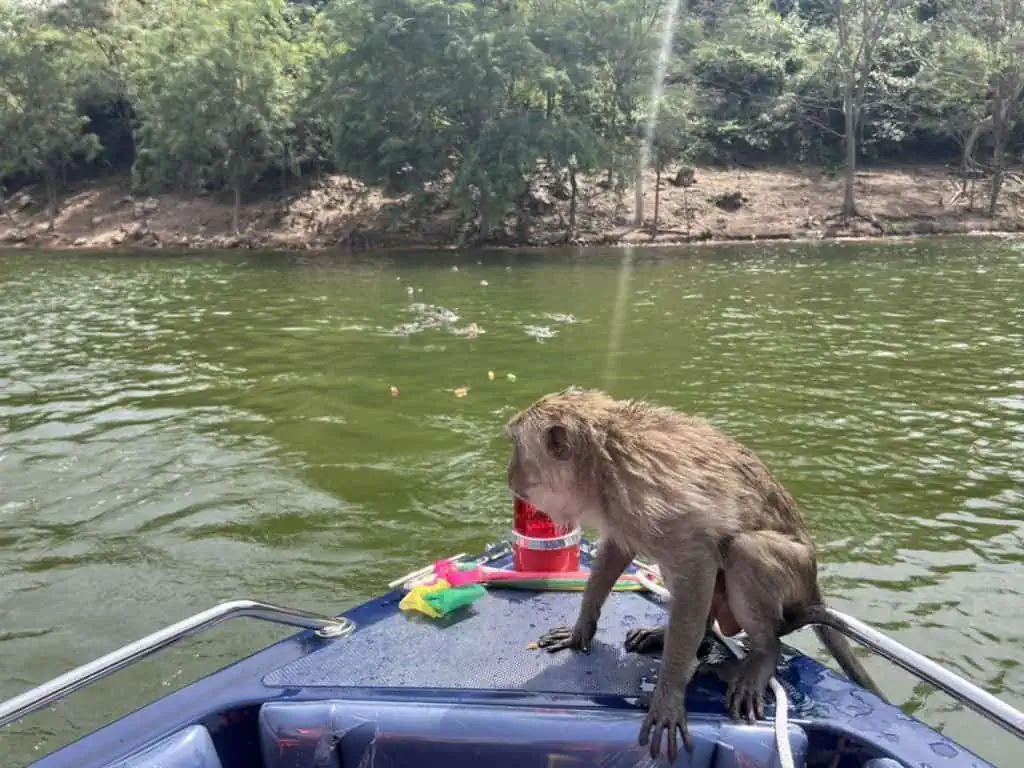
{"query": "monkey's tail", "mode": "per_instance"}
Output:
(838, 646)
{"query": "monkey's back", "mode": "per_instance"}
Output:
(686, 462)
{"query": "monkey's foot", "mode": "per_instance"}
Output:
(746, 681)
(573, 638)
(645, 640)
(667, 712)
(652, 640)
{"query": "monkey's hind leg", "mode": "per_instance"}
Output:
(645, 640)
(652, 640)
(763, 571)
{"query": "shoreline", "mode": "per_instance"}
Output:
(723, 207)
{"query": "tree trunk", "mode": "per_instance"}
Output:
(999, 131)
(657, 197)
(686, 211)
(998, 162)
(572, 202)
(4, 208)
(980, 127)
(850, 139)
(51, 197)
(237, 206)
(638, 199)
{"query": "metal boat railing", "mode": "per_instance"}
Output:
(42, 695)
(964, 691)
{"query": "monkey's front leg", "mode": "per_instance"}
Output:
(692, 592)
(609, 563)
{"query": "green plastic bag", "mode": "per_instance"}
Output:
(447, 600)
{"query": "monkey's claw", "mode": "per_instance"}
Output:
(561, 638)
(645, 640)
(667, 712)
(745, 701)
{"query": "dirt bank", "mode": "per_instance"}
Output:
(336, 212)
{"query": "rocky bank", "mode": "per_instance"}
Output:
(696, 205)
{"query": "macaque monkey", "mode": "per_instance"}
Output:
(728, 538)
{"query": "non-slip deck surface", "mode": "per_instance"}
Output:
(486, 647)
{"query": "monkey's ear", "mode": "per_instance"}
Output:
(558, 442)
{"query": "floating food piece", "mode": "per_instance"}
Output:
(454, 268)
(510, 376)
(394, 391)
(483, 283)
(490, 375)
(532, 646)
(461, 391)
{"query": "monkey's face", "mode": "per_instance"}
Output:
(542, 472)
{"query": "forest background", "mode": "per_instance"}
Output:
(395, 122)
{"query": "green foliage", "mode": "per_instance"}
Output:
(476, 96)
(215, 92)
(42, 128)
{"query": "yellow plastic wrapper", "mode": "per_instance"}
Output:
(415, 601)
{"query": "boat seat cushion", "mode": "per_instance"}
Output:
(350, 733)
(190, 747)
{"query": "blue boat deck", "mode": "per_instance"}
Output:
(407, 690)
(486, 648)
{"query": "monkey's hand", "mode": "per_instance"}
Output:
(576, 638)
(667, 712)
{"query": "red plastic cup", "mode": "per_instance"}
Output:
(539, 545)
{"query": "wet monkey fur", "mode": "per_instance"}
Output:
(729, 540)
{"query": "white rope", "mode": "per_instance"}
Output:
(646, 575)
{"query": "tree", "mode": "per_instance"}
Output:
(107, 31)
(977, 71)
(860, 25)
(674, 140)
(215, 94)
(42, 128)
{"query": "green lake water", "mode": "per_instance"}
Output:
(177, 431)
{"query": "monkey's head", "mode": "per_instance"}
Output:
(555, 449)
